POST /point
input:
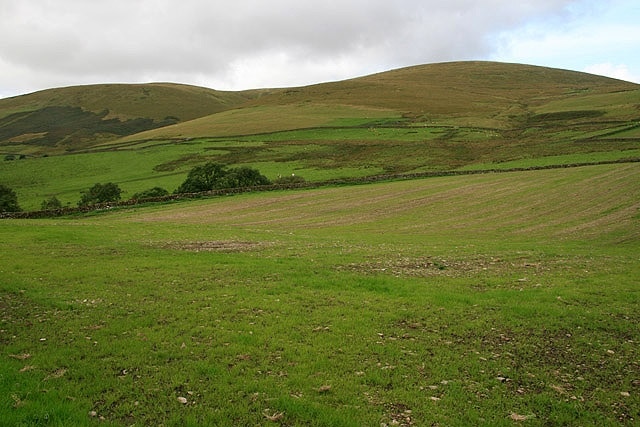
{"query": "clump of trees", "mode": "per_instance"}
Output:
(203, 178)
(213, 176)
(8, 200)
(100, 193)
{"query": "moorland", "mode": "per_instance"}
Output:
(507, 296)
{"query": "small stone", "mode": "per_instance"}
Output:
(324, 389)
(182, 400)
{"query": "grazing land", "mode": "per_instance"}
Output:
(469, 300)
(497, 298)
(461, 115)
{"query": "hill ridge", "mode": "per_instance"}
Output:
(474, 94)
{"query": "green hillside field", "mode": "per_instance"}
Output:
(495, 298)
(468, 115)
(488, 299)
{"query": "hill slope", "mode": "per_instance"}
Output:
(462, 115)
(73, 118)
(481, 94)
(445, 301)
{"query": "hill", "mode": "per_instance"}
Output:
(70, 119)
(459, 115)
(478, 94)
(478, 299)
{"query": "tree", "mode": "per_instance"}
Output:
(51, 204)
(202, 178)
(213, 176)
(150, 193)
(101, 193)
(242, 177)
(8, 200)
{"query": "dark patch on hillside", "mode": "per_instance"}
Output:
(565, 116)
(71, 124)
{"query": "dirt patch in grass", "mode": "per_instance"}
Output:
(216, 246)
(431, 266)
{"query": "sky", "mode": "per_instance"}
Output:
(248, 44)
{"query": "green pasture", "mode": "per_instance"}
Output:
(267, 119)
(494, 299)
(354, 149)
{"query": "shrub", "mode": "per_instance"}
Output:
(150, 193)
(8, 200)
(101, 193)
(51, 204)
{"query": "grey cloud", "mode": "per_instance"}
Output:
(65, 42)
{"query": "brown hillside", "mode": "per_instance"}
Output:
(453, 89)
(476, 94)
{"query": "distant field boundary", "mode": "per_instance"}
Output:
(301, 185)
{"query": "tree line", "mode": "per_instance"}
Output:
(202, 178)
(198, 181)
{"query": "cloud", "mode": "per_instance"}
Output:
(617, 71)
(246, 43)
(600, 37)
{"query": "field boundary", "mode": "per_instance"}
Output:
(293, 186)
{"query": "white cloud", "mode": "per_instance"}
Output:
(601, 36)
(617, 71)
(252, 43)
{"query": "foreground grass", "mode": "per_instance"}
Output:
(476, 300)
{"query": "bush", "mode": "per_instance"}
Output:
(212, 176)
(150, 193)
(8, 200)
(101, 193)
(51, 204)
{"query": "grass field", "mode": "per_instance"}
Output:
(433, 117)
(321, 153)
(493, 299)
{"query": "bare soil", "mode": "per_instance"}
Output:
(215, 246)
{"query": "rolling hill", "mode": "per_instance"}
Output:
(479, 94)
(69, 119)
(476, 94)
(470, 298)
(434, 117)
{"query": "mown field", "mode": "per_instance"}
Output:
(492, 299)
